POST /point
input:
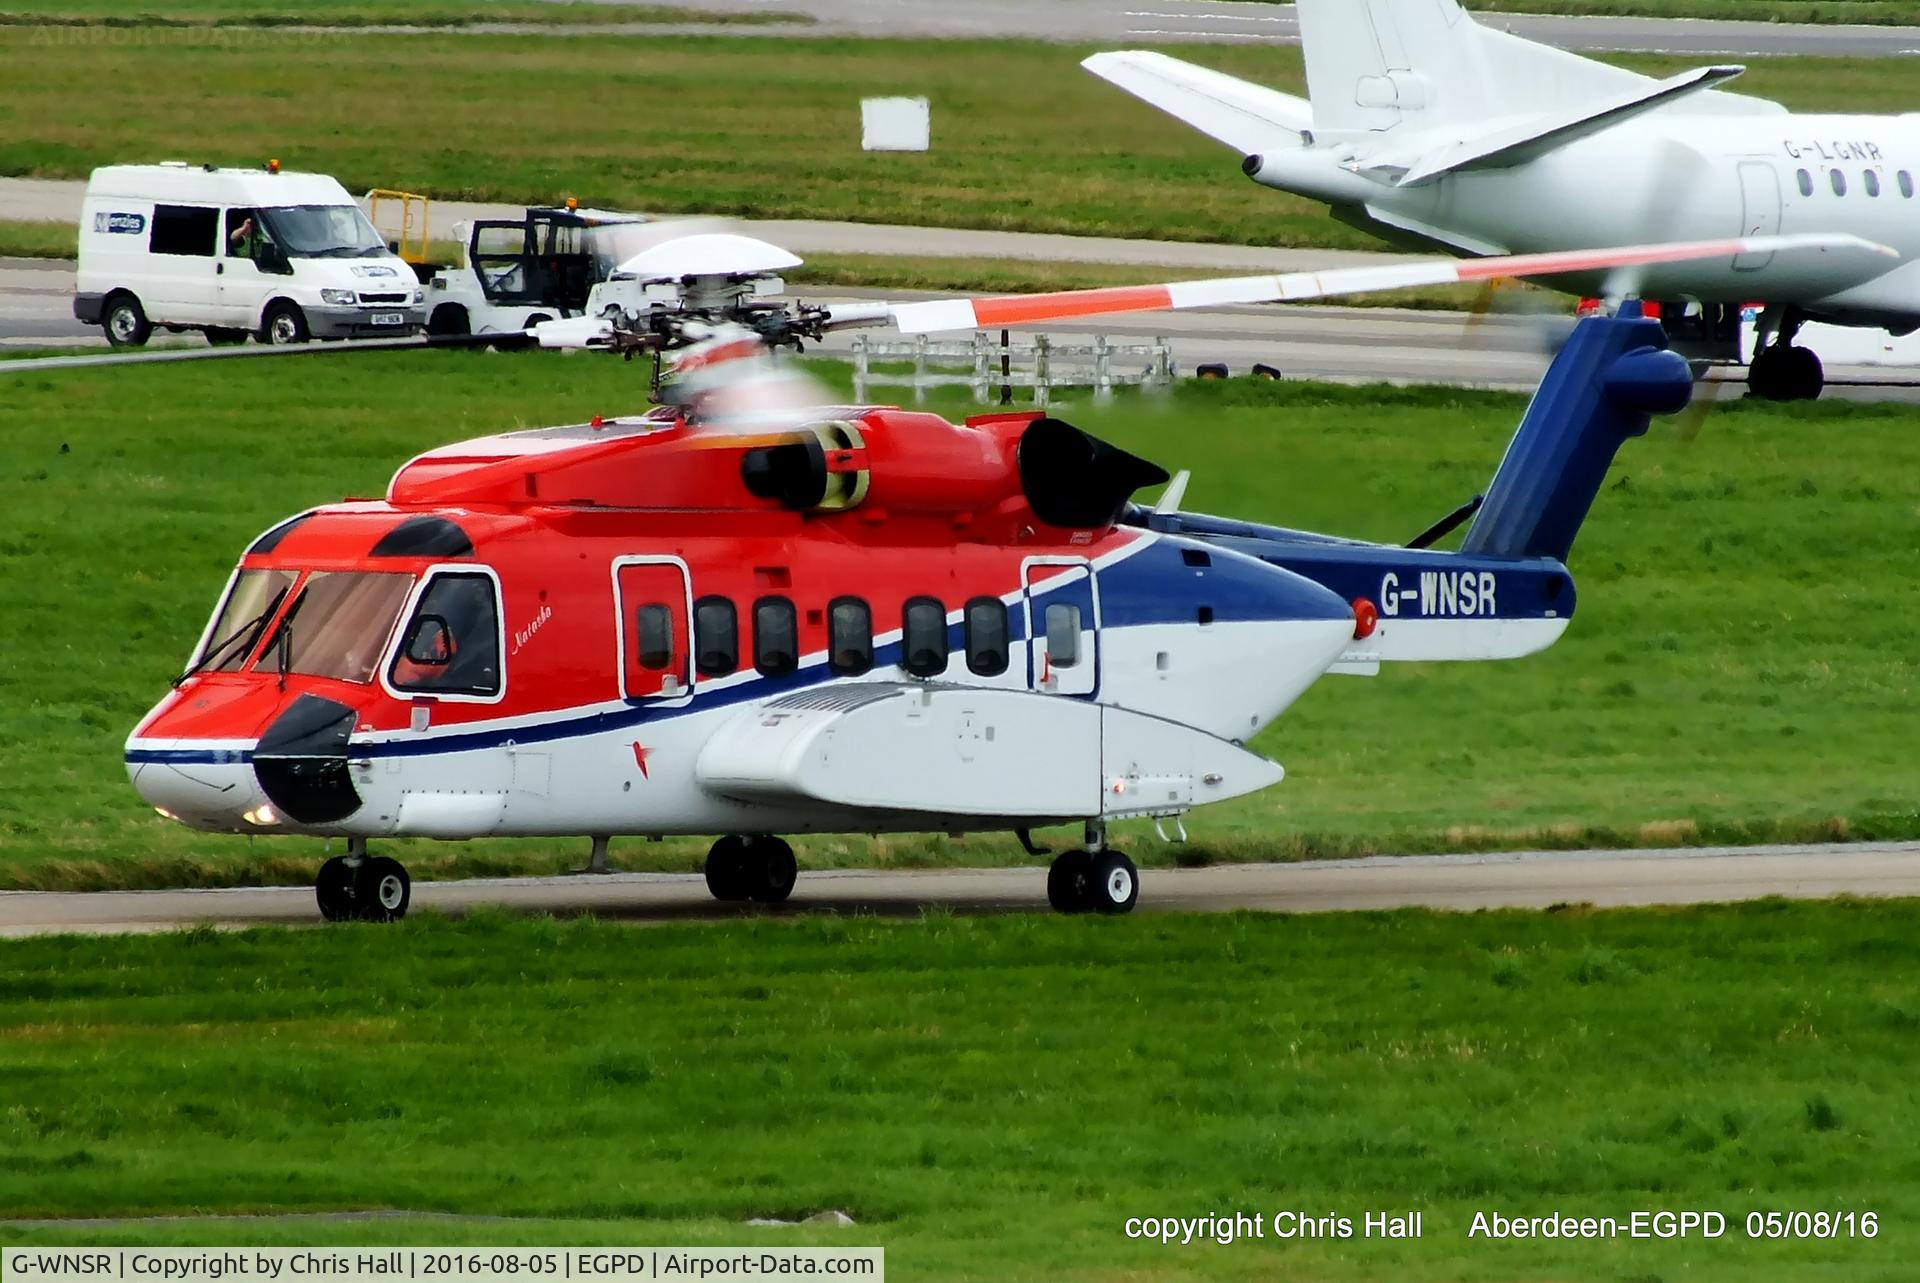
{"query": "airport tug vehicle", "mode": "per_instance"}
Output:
(739, 616)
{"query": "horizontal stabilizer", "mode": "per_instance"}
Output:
(1517, 142)
(1247, 117)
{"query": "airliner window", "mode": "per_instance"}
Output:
(776, 637)
(1906, 184)
(987, 636)
(923, 642)
(849, 636)
(1839, 181)
(338, 625)
(452, 644)
(1063, 635)
(1873, 182)
(716, 636)
(1806, 183)
(655, 627)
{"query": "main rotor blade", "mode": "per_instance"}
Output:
(1030, 309)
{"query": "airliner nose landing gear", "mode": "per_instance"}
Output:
(751, 868)
(1097, 880)
(1783, 372)
(358, 887)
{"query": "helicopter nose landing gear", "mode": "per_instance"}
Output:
(751, 868)
(356, 887)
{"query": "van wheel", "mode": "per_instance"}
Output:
(285, 323)
(221, 336)
(449, 320)
(125, 322)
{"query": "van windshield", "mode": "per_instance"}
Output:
(324, 231)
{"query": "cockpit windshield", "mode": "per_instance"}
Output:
(339, 625)
(323, 231)
(255, 597)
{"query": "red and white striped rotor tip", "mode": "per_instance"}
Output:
(1033, 309)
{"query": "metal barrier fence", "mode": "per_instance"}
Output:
(987, 364)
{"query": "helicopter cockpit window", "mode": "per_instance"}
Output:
(923, 641)
(716, 636)
(338, 625)
(776, 640)
(451, 646)
(849, 636)
(255, 597)
(987, 636)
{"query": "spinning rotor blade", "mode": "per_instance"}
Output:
(1031, 309)
(83, 361)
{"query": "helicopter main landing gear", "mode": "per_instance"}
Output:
(356, 887)
(751, 868)
(1095, 880)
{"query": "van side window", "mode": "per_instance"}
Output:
(923, 640)
(849, 636)
(776, 637)
(987, 636)
(716, 636)
(452, 643)
(184, 229)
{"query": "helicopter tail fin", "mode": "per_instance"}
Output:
(1611, 378)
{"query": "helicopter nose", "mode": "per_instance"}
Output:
(206, 788)
(301, 761)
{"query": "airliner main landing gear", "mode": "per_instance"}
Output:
(1781, 371)
(1096, 880)
(751, 868)
(358, 887)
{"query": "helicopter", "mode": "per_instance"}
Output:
(737, 613)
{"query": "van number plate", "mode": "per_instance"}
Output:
(389, 318)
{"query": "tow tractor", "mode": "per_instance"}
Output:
(516, 273)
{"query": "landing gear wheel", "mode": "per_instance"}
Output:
(1807, 377)
(333, 890)
(1115, 883)
(284, 323)
(220, 336)
(1786, 374)
(125, 322)
(1070, 882)
(727, 869)
(382, 889)
(771, 870)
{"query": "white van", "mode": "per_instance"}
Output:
(231, 252)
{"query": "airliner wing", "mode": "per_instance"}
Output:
(1244, 116)
(1035, 309)
(1516, 143)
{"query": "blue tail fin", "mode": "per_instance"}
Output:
(1611, 378)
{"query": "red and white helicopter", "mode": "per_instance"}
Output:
(736, 616)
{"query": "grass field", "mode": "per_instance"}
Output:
(1022, 138)
(990, 1098)
(1741, 666)
(196, 14)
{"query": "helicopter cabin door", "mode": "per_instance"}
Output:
(1063, 625)
(653, 602)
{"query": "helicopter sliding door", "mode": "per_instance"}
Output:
(653, 601)
(1063, 618)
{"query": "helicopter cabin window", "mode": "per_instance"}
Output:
(653, 628)
(338, 625)
(451, 646)
(849, 636)
(1063, 635)
(184, 230)
(716, 636)
(1806, 183)
(923, 640)
(256, 595)
(987, 636)
(1839, 181)
(1872, 180)
(776, 637)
